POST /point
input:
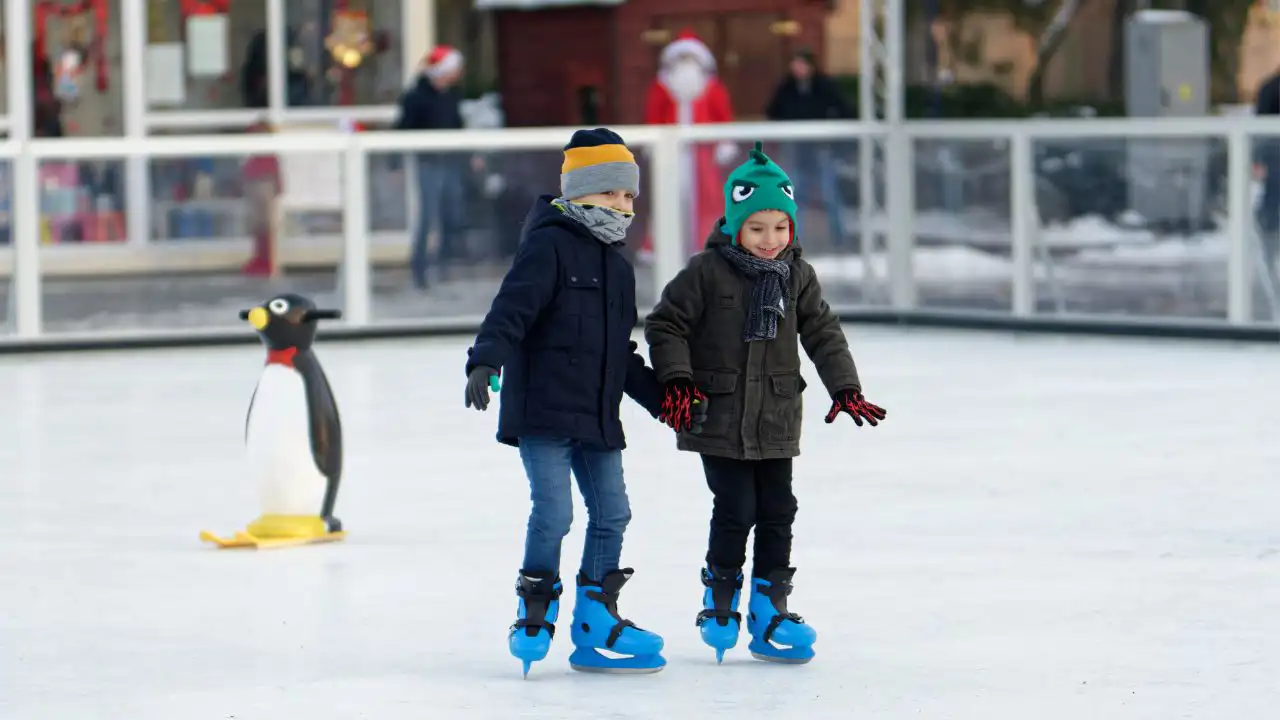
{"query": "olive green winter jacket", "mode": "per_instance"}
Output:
(755, 389)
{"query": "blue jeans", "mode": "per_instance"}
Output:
(440, 202)
(548, 462)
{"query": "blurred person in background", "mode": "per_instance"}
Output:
(688, 91)
(1266, 168)
(263, 183)
(433, 102)
(253, 73)
(809, 94)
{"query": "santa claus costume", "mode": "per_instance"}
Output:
(688, 91)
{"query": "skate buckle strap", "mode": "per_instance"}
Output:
(610, 603)
(779, 587)
(537, 594)
(718, 614)
(778, 620)
(531, 627)
(722, 585)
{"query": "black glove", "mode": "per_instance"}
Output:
(480, 380)
(852, 403)
(684, 407)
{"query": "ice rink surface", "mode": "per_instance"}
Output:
(1044, 528)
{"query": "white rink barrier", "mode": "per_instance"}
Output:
(28, 263)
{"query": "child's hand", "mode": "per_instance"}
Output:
(857, 407)
(481, 380)
(684, 406)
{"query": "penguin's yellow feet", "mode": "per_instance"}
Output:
(288, 527)
(278, 531)
(239, 541)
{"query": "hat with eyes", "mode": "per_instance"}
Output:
(757, 184)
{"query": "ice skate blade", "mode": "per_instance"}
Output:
(616, 670)
(761, 650)
(781, 660)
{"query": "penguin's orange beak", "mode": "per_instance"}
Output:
(258, 318)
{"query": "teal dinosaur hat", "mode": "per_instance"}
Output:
(757, 184)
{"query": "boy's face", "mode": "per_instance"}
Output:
(616, 199)
(765, 233)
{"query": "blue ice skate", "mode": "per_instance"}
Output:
(777, 635)
(598, 627)
(535, 625)
(720, 621)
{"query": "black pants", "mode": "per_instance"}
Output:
(750, 493)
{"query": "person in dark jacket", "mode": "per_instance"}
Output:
(809, 94)
(1267, 169)
(434, 103)
(728, 328)
(559, 332)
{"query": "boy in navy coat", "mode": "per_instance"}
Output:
(560, 331)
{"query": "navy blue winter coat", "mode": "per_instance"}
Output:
(560, 330)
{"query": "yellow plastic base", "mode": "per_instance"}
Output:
(288, 527)
(277, 531)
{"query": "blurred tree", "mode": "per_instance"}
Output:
(1049, 21)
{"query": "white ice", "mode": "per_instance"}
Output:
(1044, 528)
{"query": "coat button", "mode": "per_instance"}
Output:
(573, 278)
(595, 280)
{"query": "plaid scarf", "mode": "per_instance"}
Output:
(772, 292)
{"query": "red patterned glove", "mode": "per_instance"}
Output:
(683, 405)
(852, 402)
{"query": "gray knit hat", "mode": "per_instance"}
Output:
(597, 161)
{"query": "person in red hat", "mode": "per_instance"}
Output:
(434, 103)
(688, 91)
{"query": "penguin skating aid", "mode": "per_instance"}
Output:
(293, 434)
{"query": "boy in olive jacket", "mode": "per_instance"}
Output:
(729, 327)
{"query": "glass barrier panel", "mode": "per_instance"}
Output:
(449, 260)
(6, 243)
(217, 73)
(1131, 227)
(825, 177)
(343, 53)
(4, 80)
(1264, 227)
(216, 228)
(704, 166)
(963, 239)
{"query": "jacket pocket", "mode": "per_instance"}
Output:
(721, 389)
(583, 294)
(783, 408)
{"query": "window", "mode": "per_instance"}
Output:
(370, 30)
(240, 83)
